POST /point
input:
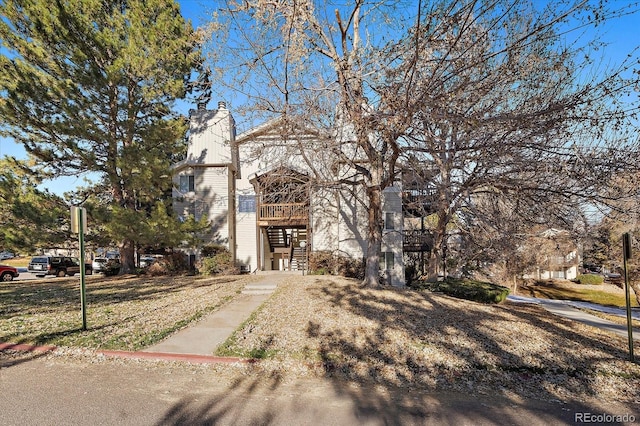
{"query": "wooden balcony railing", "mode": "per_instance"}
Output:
(284, 212)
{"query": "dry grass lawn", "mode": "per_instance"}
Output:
(126, 313)
(331, 326)
(320, 326)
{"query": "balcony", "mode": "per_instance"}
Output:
(418, 204)
(417, 240)
(289, 214)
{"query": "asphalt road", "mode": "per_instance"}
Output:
(25, 275)
(82, 390)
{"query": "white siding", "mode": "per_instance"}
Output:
(246, 252)
(392, 239)
(338, 218)
(352, 225)
(246, 245)
(210, 197)
(211, 136)
(324, 221)
(212, 188)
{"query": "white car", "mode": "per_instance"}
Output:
(146, 261)
(99, 264)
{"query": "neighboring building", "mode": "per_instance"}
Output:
(254, 188)
(559, 256)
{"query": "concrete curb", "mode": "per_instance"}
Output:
(21, 347)
(194, 359)
(157, 356)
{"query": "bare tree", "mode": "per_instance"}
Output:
(510, 112)
(491, 95)
(604, 248)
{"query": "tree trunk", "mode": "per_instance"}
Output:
(374, 238)
(127, 257)
(439, 240)
(127, 245)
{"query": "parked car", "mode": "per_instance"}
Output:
(57, 265)
(6, 255)
(99, 264)
(146, 261)
(108, 266)
(8, 273)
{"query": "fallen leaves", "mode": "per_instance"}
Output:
(404, 338)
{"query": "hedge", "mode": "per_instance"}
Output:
(477, 291)
(592, 279)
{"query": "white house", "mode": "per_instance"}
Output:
(254, 189)
(558, 256)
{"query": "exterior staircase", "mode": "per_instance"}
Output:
(298, 258)
(277, 238)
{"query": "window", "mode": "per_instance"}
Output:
(200, 208)
(388, 221)
(386, 260)
(246, 203)
(187, 183)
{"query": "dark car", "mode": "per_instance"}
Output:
(8, 273)
(57, 265)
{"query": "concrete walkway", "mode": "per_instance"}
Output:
(570, 309)
(204, 336)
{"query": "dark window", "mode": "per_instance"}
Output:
(386, 260)
(246, 203)
(388, 221)
(187, 183)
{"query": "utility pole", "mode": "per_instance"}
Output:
(79, 226)
(626, 251)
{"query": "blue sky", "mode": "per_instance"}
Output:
(621, 36)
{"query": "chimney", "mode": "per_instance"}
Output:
(222, 105)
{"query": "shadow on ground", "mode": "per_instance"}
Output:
(250, 402)
(478, 375)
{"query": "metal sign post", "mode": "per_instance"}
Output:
(626, 249)
(79, 226)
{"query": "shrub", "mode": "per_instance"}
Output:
(212, 249)
(592, 279)
(325, 262)
(478, 291)
(111, 268)
(219, 263)
(172, 264)
(352, 268)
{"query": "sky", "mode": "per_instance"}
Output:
(621, 36)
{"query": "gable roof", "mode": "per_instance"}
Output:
(288, 171)
(278, 129)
